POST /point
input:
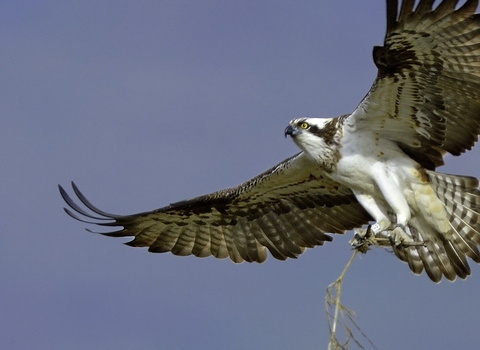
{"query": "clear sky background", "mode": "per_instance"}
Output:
(144, 103)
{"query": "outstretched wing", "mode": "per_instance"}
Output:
(285, 209)
(426, 95)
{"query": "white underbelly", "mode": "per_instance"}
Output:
(363, 166)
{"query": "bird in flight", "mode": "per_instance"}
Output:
(372, 170)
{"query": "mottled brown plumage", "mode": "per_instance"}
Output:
(428, 71)
(424, 103)
(286, 209)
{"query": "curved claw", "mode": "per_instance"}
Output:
(361, 240)
(398, 236)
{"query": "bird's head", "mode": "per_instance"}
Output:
(313, 135)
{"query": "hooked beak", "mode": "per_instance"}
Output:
(292, 131)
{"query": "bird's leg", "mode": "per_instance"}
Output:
(394, 196)
(382, 233)
(363, 238)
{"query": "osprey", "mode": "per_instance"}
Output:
(373, 166)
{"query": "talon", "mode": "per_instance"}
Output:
(361, 239)
(392, 241)
(398, 237)
(360, 235)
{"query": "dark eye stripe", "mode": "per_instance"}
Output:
(315, 130)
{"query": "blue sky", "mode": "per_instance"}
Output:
(149, 102)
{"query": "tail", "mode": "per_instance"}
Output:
(446, 253)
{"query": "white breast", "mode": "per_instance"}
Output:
(364, 156)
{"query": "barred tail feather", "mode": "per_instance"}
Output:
(433, 254)
(445, 254)
(461, 197)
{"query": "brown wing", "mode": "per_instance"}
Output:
(427, 92)
(285, 209)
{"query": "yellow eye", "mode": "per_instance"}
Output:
(304, 125)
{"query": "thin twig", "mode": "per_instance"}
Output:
(340, 311)
(337, 285)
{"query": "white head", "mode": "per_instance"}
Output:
(317, 137)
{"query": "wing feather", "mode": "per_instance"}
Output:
(446, 7)
(286, 209)
(424, 6)
(405, 11)
(426, 96)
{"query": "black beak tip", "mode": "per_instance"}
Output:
(289, 130)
